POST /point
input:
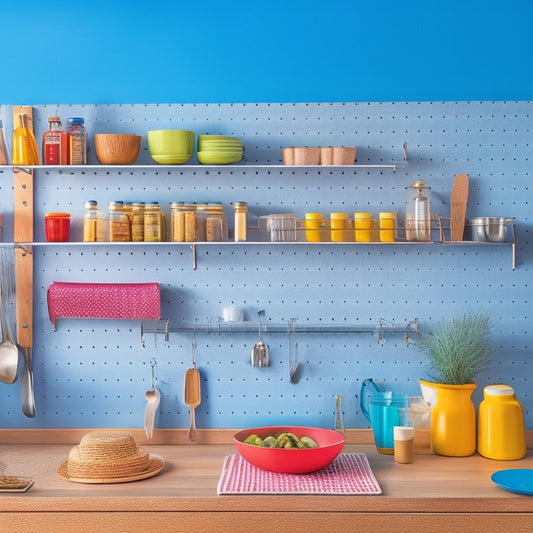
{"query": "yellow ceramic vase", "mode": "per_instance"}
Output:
(453, 418)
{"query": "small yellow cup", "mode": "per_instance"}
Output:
(312, 223)
(339, 225)
(387, 224)
(364, 223)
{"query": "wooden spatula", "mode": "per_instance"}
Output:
(192, 393)
(458, 203)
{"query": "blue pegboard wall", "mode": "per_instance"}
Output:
(95, 373)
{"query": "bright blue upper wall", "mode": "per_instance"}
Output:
(277, 51)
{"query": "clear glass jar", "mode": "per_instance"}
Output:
(201, 220)
(418, 213)
(94, 223)
(240, 208)
(216, 223)
(119, 223)
(153, 223)
(77, 141)
(137, 222)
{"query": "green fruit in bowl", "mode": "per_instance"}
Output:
(270, 442)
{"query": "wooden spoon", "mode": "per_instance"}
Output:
(192, 393)
(459, 201)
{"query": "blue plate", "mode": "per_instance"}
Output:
(519, 480)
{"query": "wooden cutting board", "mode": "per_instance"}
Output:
(458, 204)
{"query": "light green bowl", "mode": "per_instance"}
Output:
(175, 159)
(171, 142)
(219, 158)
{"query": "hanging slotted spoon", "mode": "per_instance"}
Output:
(192, 392)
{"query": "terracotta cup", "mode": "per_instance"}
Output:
(343, 155)
(306, 155)
(326, 155)
(287, 155)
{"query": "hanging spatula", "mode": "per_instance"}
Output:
(458, 203)
(192, 392)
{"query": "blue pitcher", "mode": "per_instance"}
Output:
(384, 410)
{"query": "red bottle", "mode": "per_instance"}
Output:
(55, 143)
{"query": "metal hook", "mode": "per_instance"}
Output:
(153, 362)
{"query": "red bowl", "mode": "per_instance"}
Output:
(293, 460)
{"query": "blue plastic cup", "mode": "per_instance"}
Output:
(386, 410)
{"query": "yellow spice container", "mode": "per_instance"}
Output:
(387, 225)
(339, 225)
(364, 224)
(312, 223)
(501, 431)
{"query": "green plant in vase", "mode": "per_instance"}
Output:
(457, 351)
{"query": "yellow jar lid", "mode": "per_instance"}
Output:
(314, 216)
(338, 216)
(386, 214)
(362, 215)
(57, 215)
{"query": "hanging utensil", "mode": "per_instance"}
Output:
(260, 351)
(458, 203)
(293, 352)
(9, 354)
(153, 397)
(192, 392)
(24, 295)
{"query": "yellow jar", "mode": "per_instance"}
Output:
(239, 231)
(339, 225)
(312, 223)
(387, 225)
(501, 431)
(364, 224)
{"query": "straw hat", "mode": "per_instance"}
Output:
(109, 457)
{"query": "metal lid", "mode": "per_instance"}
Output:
(419, 184)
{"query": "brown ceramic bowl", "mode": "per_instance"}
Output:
(117, 148)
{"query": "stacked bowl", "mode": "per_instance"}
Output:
(171, 147)
(219, 149)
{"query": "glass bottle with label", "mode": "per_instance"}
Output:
(78, 141)
(55, 143)
(418, 213)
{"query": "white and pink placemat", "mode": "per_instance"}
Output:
(349, 474)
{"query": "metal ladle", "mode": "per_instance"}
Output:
(8, 350)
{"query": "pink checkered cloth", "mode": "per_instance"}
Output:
(349, 474)
(131, 301)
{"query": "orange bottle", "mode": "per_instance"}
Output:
(55, 143)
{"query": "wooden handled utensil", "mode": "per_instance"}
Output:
(192, 392)
(458, 203)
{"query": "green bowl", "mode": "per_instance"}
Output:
(173, 159)
(171, 142)
(219, 158)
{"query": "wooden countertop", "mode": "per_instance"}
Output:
(430, 486)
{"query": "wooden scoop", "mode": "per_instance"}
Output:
(192, 393)
(459, 201)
